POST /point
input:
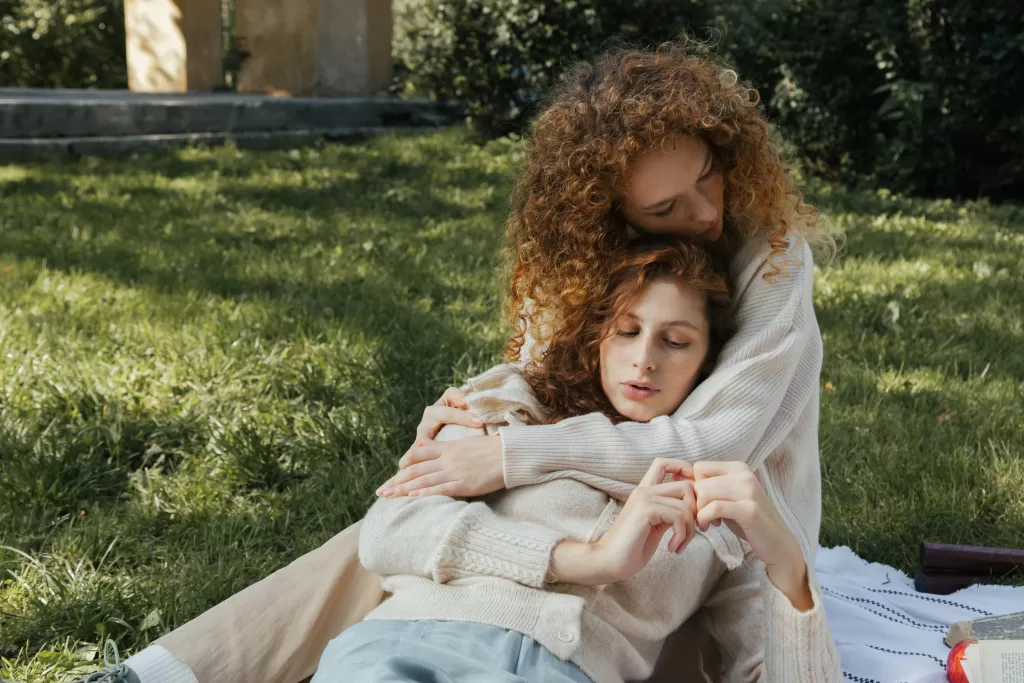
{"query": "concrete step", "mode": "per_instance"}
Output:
(24, 149)
(45, 114)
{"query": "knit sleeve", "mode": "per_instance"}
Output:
(766, 375)
(442, 538)
(762, 637)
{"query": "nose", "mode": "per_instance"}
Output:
(703, 211)
(644, 358)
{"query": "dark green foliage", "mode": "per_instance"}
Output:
(62, 44)
(498, 56)
(923, 95)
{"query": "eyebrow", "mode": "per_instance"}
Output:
(670, 323)
(663, 202)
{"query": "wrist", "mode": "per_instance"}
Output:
(576, 562)
(792, 581)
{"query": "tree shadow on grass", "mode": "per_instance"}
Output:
(77, 448)
(835, 198)
(177, 250)
(903, 464)
(82, 461)
(956, 327)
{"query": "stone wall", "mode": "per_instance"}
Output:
(314, 47)
(306, 48)
(173, 45)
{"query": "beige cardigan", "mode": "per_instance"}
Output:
(485, 561)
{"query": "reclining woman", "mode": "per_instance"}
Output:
(651, 142)
(561, 581)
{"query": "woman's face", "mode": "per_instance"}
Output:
(653, 354)
(676, 191)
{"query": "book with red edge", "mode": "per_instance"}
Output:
(989, 650)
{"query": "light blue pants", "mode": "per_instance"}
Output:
(385, 651)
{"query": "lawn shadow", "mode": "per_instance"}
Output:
(185, 253)
(835, 198)
(897, 470)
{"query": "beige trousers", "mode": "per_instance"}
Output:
(274, 631)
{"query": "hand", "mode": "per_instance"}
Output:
(730, 492)
(450, 409)
(466, 468)
(654, 507)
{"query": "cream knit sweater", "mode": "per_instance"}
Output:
(461, 560)
(485, 561)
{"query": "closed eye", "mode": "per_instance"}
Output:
(627, 333)
(666, 211)
(678, 345)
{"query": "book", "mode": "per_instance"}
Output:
(943, 582)
(1004, 627)
(988, 650)
(986, 661)
(970, 560)
(946, 568)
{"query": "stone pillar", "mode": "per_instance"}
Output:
(173, 45)
(314, 47)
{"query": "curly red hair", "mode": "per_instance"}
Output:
(567, 379)
(565, 231)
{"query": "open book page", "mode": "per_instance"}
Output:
(1002, 661)
(971, 663)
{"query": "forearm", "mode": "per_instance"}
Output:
(442, 539)
(745, 423)
(793, 582)
(577, 562)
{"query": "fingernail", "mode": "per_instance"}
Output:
(388, 493)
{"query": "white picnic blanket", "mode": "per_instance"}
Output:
(887, 632)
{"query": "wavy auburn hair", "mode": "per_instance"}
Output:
(565, 230)
(567, 380)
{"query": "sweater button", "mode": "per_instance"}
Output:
(614, 518)
(565, 636)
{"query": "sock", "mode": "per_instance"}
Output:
(156, 664)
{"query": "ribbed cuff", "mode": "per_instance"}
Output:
(156, 664)
(480, 543)
(519, 446)
(586, 443)
(798, 645)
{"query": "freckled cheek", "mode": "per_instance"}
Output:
(684, 374)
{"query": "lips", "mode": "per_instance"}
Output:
(639, 391)
(713, 232)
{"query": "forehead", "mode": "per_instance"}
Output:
(667, 298)
(667, 171)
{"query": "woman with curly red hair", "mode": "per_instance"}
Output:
(638, 142)
(575, 578)
(656, 142)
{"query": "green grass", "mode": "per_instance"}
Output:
(209, 358)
